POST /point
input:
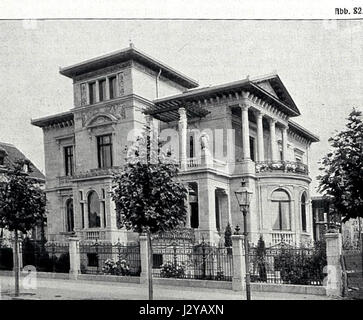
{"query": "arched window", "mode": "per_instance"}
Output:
(94, 216)
(70, 215)
(303, 212)
(281, 210)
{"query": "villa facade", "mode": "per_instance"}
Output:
(225, 133)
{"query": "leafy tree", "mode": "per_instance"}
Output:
(22, 205)
(343, 169)
(148, 195)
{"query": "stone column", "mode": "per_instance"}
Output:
(333, 283)
(187, 221)
(284, 143)
(97, 91)
(245, 133)
(239, 266)
(107, 89)
(182, 138)
(207, 216)
(144, 255)
(273, 142)
(260, 145)
(74, 258)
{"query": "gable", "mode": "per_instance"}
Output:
(267, 87)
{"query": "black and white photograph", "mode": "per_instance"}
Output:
(154, 157)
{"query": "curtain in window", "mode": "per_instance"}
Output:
(285, 215)
(275, 210)
(280, 208)
(94, 216)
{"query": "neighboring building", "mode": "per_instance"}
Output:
(324, 219)
(250, 118)
(8, 155)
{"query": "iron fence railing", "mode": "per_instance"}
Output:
(45, 256)
(288, 264)
(105, 258)
(185, 260)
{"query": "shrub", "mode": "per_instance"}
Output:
(296, 266)
(172, 270)
(62, 264)
(118, 268)
(228, 236)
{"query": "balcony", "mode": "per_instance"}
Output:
(283, 166)
(97, 172)
(283, 237)
(92, 234)
(196, 163)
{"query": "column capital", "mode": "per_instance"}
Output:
(272, 121)
(182, 112)
(259, 113)
(244, 106)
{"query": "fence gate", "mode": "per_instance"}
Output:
(352, 263)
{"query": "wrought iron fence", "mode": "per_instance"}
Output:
(45, 256)
(288, 264)
(352, 263)
(105, 258)
(186, 260)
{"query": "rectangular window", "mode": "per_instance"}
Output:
(68, 160)
(104, 214)
(104, 149)
(82, 213)
(102, 89)
(1, 161)
(92, 92)
(252, 148)
(112, 84)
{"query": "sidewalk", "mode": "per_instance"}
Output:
(55, 289)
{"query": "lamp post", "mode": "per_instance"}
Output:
(244, 195)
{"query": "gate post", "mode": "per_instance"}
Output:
(74, 258)
(144, 259)
(239, 266)
(334, 282)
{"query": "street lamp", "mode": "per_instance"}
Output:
(244, 195)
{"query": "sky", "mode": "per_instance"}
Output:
(320, 63)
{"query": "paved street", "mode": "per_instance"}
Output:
(54, 289)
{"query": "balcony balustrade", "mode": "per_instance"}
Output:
(284, 166)
(283, 237)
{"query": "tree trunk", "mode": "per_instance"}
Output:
(150, 274)
(16, 263)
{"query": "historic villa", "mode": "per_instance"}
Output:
(244, 127)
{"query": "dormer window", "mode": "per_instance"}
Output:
(1, 160)
(26, 168)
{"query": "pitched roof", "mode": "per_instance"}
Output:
(164, 108)
(279, 88)
(12, 154)
(130, 53)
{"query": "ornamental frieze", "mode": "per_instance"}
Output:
(115, 109)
